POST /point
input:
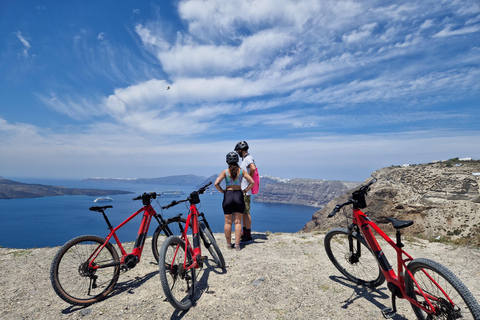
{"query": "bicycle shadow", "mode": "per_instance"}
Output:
(202, 287)
(128, 286)
(372, 295)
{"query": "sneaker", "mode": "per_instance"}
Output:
(238, 247)
(246, 240)
(229, 246)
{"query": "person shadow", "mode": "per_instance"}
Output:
(257, 238)
(372, 295)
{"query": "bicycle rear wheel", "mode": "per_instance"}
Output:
(211, 244)
(359, 266)
(171, 228)
(428, 274)
(178, 283)
(74, 281)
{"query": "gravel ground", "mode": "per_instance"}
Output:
(279, 276)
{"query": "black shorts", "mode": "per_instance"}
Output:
(233, 201)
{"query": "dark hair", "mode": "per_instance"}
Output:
(233, 168)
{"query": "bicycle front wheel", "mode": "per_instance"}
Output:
(72, 278)
(171, 228)
(441, 287)
(211, 244)
(178, 283)
(359, 264)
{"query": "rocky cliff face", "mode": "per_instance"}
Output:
(442, 198)
(307, 192)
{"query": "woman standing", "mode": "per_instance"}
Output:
(233, 201)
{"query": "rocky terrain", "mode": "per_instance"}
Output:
(307, 192)
(10, 189)
(442, 198)
(280, 277)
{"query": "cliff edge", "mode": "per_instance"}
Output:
(443, 199)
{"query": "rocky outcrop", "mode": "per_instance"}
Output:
(442, 198)
(307, 192)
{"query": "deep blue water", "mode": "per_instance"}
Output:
(51, 221)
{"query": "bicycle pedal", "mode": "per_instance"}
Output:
(202, 258)
(388, 313)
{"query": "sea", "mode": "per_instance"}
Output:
(52, 221)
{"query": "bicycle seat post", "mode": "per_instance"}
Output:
(110, 227)
(399, 239)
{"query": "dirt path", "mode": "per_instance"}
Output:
(279, 276)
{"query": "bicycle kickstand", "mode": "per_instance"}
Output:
(389, 313)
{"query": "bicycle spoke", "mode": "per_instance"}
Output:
(72, 278)
(440, 288)
(178, 283)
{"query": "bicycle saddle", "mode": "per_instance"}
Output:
(399, 224)
(99, 209)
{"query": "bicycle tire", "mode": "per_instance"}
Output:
(73, 281)
(163, 231)
(363, 270)
(212, 246)
(466, 305)
(178, 284)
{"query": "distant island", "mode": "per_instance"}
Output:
(10, 189)
(186, 179)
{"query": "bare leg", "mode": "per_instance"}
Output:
(238, 227)
(228, 228)
(247, 221)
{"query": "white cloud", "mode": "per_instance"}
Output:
(256, 68)
(106, 150)
(427, 24)
(360, 34)
(450, 31)
(24, 42)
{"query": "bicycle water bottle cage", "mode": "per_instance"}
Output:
(359, 197)
(194, 198)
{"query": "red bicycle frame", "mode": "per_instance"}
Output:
(148, 213)
(196, 252)
(366, 226)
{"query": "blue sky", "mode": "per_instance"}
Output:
(319, 89)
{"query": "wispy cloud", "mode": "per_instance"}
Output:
(24, 42)
(104, 149)
(451, 31)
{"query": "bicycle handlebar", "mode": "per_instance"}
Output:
(364, 189)
(205, 187)
(174, 203)
(193, 194)
(150, 195)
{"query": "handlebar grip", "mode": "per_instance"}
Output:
(202, 189)
(333, 213)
